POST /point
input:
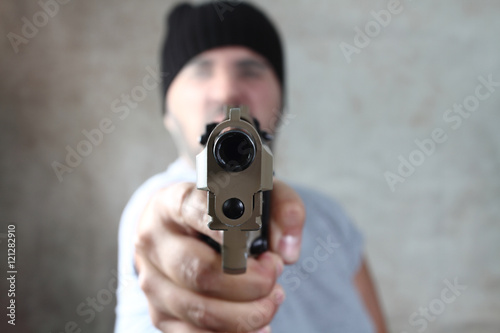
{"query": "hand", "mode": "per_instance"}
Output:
(182, 276)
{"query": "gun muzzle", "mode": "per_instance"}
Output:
(234, 150)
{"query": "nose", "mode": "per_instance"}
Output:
(226, 89)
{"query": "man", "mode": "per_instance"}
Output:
(171, 279)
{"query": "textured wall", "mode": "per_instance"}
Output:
(353, 116)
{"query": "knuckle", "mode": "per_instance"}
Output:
(263, 285)
(266, 309)
(176, 326)
(265, 277)
(162, 321)
(269, 279)
(143, 240)
(198, 274)
(259, 316)
(199, 315)
(145, 283)
(184, 193)
(193, 206)
(144, 236)
(296, 206)
(204, 279)
(156, 318)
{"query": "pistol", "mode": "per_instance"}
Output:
(236, 168)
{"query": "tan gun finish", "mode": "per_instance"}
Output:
(235, 166)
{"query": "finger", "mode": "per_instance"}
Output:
(177, 326)
(224, 316)
(266, 329)
(185, 205)
(164, 216)
(193, 265)
(167, 324)
(204, 312)
(287, 221)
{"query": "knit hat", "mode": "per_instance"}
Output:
(192, 30)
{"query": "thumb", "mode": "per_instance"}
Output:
(287, 221)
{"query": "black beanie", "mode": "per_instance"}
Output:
(192, 30)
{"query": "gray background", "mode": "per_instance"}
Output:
(347, 124)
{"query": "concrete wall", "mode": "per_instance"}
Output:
(350, 121)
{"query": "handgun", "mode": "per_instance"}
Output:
(236, 168)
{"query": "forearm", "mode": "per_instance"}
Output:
(364, 283)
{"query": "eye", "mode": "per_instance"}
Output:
(251, 72)
(203, 71)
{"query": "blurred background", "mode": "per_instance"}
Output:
(392, 115)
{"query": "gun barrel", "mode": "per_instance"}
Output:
(234, 150)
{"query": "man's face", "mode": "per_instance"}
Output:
(230, 75)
